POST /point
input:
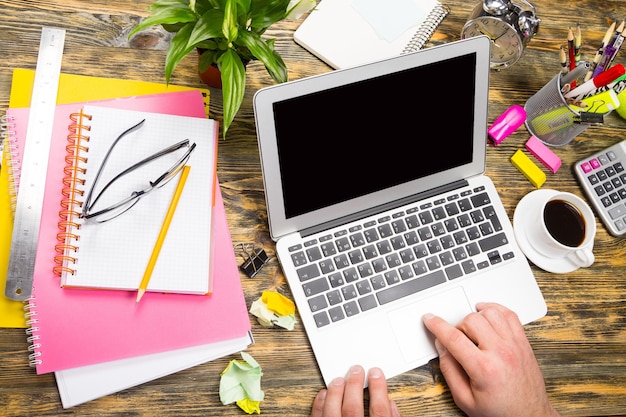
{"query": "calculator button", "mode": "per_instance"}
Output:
(617, 211)
(599, 190)
(616, 182)
(614, 198)
(611, 155)
(593, 179)
(586, 167)
(603, 159)
(610, 171)
(594, 163)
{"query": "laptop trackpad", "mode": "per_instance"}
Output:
(414, 340)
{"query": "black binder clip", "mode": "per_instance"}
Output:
(254, 259)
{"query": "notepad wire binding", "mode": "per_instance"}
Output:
(71, 202)
(11, 159)
(426, 29)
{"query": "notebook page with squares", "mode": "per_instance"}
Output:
(372, 229)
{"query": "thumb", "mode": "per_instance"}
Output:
(457, 379)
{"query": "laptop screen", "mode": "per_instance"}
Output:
(352, 140)
(360, 139)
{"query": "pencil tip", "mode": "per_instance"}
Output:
(140, 294)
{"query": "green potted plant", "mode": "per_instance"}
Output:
(228, 34)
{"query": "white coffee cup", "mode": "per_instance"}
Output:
(564, 227)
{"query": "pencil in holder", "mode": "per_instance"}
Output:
(549, 117)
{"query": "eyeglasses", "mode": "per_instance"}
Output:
(90, 210)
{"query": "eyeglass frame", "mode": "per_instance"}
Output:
(163, 179)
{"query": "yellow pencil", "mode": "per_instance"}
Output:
(161, 238)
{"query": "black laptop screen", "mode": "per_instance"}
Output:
(346, 142)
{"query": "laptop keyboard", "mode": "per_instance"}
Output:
(380, 260)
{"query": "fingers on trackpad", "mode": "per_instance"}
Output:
(415, 341)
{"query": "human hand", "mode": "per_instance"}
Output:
(344, 397)
(489, 364)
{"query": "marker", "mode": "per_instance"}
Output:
(616, 46)
(507, 123)
(599, 103)
(596, 59)
(609, 51)
(600, 80)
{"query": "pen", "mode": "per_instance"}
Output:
(162, 233)
(609, 51)
(616, 46)
(598, 56)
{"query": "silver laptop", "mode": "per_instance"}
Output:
(380, 209)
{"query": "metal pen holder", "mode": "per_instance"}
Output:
(548, 115)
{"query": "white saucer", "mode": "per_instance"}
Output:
(521, 217)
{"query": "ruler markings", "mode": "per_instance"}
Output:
(29, 202)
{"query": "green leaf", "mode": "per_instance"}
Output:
(265, 13)
(229, 26)
(233, 86)
(177, 50)
(177, 12)
(265, 53)
(207, 27)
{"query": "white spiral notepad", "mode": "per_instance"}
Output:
(114, 254)
(345, 33)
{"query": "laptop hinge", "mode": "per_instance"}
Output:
(383, 207)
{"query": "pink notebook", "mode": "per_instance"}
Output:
(85, 383)
(72, 328)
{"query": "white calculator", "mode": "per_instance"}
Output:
(603, 178)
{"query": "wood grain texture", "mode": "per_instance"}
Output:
(580, 344)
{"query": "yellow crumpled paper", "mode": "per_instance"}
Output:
(273, 308)
(278, 303)
(241, 383)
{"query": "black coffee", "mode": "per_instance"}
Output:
(564, 222)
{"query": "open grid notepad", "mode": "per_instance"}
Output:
(114, 254)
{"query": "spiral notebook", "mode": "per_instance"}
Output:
(71, 328)
(72, 88)
(345, 33)
(85, 383)
(114, 254)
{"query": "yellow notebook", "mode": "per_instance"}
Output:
(72, 89)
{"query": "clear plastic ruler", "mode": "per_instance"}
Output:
(29, 202)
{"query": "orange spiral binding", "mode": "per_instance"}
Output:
(69, 223)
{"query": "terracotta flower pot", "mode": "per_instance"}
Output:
(212, 76)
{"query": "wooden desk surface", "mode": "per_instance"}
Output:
(580, 344)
